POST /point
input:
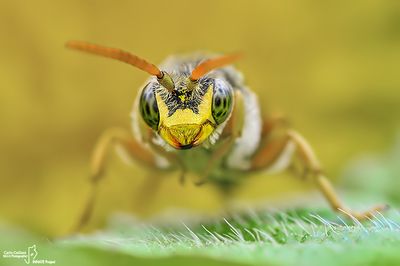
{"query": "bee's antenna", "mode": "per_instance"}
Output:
(213, 63)
(121, 55)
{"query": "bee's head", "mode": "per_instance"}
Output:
(186, 115)
(185, 110)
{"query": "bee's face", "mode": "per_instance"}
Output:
(185, 117)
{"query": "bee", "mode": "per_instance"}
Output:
(195, 114)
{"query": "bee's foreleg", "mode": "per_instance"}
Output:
(228, 137)
(174, 160)
(279, 154)
(132, 149)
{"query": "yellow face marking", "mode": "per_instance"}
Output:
(184, 128)
(182, 97)
(186, 116)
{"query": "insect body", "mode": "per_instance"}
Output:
(196, 115)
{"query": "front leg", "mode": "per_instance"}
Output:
(232, 130)
(130, 148)
(278, 154)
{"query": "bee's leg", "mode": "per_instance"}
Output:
(231, 131)
(174, 160)
(274, 121)
(131, 149)
(278, 154)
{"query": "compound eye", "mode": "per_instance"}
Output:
(222, 101)
(148, 107)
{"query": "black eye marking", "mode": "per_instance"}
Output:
(148, 106)
(155, 107)
(217, 101)
(222, 101)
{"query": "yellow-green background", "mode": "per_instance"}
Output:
(331, 66)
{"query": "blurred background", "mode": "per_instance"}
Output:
(331, 66)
